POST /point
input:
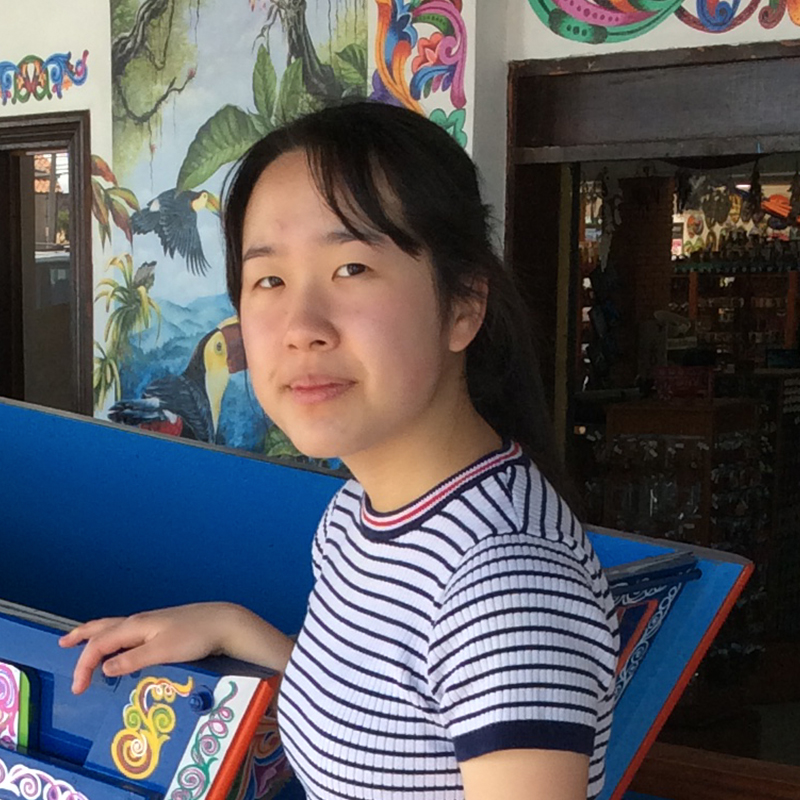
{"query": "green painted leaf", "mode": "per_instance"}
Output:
(121, 217)
(351, 64)
(126, 195)
(291, 93)
(277, 444)
(101, 168)
(219, 141)
(439, 21)
(263, 126)
(265, 85)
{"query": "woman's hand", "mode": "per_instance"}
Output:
(183, 633)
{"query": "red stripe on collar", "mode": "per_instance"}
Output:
(440, 492)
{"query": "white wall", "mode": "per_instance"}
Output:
(490, 102)
(44, 27)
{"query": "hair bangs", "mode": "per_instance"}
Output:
(356, 187)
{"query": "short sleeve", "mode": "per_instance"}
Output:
(521, 653)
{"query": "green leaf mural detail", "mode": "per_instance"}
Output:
(439, 21)
(291, 93)
(351, 64)
(453, 123)
(126, 195)
(222, 139)
(278, 445)
(265, 86)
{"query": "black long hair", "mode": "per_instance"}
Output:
(386, 169)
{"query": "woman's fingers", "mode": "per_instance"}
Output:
(104, 638)
(88, 629)
(139, 657)
(126, 644)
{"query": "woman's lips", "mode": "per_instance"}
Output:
(311, 392)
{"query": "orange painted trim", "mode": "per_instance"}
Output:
(242, 739)
(790, 333)
(682, 682)
(624, 6)
(652, 605)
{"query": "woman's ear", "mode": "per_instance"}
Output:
(467, 316)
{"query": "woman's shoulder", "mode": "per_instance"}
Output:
(350, 493)
(518, 499)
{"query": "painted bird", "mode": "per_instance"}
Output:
(173, 216)
(188, 405)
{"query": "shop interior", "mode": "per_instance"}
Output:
(686, 416)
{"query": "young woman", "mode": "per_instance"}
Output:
(460, 639)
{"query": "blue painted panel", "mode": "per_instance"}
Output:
(681, 633)
(103, 520)
(74, 736)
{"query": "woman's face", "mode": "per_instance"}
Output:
(346, 349)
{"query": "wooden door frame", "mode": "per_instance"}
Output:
(70, 131)
(558, 111)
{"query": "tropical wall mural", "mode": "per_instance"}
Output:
(600, 21)
(195, 83)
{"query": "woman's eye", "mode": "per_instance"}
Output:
(348, 270)
(270, 282)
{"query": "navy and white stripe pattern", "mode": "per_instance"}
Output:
(476, 619)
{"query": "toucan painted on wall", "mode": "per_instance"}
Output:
(173, 216)
(188, 405)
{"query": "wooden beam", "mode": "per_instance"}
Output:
(655, 59)
(685, 773)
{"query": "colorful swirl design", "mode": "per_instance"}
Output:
(599, 21)
(148, 719)
(194, 779)
(720, 16)
(9, 706)
(33, 784)
(441, 58)
(265, 768)
(36, 78)
(643, 645)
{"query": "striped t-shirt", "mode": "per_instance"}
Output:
(475, 619)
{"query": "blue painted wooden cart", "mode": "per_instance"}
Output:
(100, 520)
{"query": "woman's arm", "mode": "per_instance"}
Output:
(182, 633)
(526, 775)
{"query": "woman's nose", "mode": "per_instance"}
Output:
(309, 325)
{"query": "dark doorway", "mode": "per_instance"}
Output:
(599, 269)
(45, 261)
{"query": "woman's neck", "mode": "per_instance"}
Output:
(403, 470)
